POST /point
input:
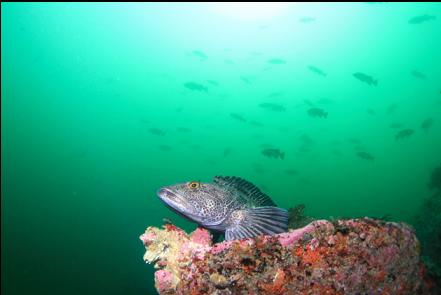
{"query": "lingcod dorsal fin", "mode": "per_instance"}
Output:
(246, 189)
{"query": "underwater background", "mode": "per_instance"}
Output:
(331, 105)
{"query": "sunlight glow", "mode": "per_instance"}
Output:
(251, 11)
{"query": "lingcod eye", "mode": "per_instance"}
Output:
(194, 184)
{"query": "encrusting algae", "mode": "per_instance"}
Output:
(355, 256)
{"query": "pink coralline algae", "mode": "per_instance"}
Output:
(163, 280)
(358, 256)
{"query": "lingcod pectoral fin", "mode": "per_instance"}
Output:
(258, 221)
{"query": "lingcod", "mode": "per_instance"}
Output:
(229, 205)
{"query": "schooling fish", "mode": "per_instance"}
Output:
(421, 19)
(404, 133)
(272, 106)
(229, 204)
(317, 112)
(199, 54)
(317, 71)
(273, 153)
(238, 117)
(277, 61)
(365, 78)
(365, 156)
(195, 86)
(427, 124)
(419, 75)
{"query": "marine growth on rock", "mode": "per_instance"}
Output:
(356, 256)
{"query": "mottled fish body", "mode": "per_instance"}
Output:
(229, 204)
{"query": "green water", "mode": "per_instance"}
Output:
(94, 102)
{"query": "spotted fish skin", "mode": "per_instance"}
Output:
(230, 205)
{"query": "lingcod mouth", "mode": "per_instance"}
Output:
(165, 193)
(169, 198)
(174, 202)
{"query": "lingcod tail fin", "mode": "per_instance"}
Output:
(258, 221)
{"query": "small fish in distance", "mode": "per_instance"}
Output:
(421, 19)
(405, 133)
(419, 75)
(365, 156)
(238, 117)
(273, 153)
(366, 78)
(195, 86)
(427, 124)
(272, 106)
(317, 71)
(157, 131)
(317, 112)
(277, 61)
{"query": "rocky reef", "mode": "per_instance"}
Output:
(356, 256)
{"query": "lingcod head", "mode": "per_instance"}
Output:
(203, 203)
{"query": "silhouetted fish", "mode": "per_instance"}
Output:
(157, 131)
(246, 79)
(317, 112)
(365, 156)
(238, 117)
(199, 54)
(195, 86)
(427, 124)
(421, 19)
(272, 107)
(306, 19)
(418, 75)
(404, 133)
(273, 153)
(277, 61)
(365, 78)
(317, 71)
